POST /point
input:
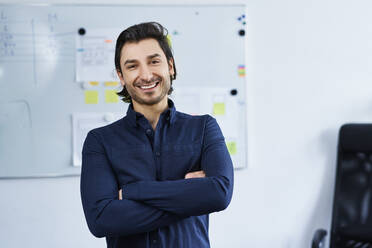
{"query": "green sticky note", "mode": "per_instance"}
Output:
(219, 108)
(111, 96)
(231, 147)
(91, 97)
(169, 40)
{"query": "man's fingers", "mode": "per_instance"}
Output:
(195, 174)
(200, 174)
(120, 195)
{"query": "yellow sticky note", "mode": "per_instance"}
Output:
(219, 108)
(111, 83)
(91, 97)
(111, 96)
(231, 147)
(169, 39)
(94, 83)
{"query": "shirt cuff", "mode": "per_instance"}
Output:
(130, 191)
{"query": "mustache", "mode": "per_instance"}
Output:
(142, 82)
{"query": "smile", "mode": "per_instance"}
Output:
(149, 87)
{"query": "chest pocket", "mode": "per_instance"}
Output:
(133, 164)
(180, 149)
(179, 159)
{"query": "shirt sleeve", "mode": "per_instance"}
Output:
(195, 196)
(105, 214)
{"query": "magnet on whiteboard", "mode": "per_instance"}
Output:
(234, 92)
(108, 117)
(81, 31)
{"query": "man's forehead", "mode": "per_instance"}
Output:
(141, 49)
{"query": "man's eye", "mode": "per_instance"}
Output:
(131, 66)
(155, 62)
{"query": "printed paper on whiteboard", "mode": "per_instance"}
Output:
(82, 123)
(95, 52)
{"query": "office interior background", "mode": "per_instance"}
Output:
(308, 70)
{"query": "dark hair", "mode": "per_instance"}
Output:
(140, 32)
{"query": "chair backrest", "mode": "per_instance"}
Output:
(352, 203)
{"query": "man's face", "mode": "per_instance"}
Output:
(145, 71)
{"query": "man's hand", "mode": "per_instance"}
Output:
(195, 174)
(120, 195)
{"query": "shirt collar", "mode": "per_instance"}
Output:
(169, 114)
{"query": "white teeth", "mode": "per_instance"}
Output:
(148, 87)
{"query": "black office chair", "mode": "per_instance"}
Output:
(352, 203)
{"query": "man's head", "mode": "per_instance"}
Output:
(144, 63)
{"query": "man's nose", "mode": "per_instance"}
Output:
(145, 73)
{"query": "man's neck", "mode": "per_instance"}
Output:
(151, 112)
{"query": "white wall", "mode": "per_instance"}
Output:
(309, 69)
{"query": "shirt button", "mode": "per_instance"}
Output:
(154, 241)
(157, 154)
(167, 118)
(148, 131)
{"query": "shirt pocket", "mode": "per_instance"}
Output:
(179, 159)
(132, 164)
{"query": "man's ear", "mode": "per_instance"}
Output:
(121, 78)
(171, 67)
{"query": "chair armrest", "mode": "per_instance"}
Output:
(319, 238)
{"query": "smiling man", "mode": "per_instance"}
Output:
(151, 178)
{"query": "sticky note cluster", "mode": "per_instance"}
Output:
(91, 96)
(241, 70)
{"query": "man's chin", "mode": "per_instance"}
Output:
(149, 102)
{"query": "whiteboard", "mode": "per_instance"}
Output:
(49, 99)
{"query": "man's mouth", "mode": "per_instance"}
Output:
(150, 86)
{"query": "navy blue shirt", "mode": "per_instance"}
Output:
(159, 207)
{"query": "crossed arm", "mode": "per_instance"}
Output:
(194, 174)
(147, 205)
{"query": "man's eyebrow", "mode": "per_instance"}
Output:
(128, 61)
(153, 56)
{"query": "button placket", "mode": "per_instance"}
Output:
(149, 131)
(154, 239)
(157, 147)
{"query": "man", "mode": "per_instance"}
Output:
(151, 178)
